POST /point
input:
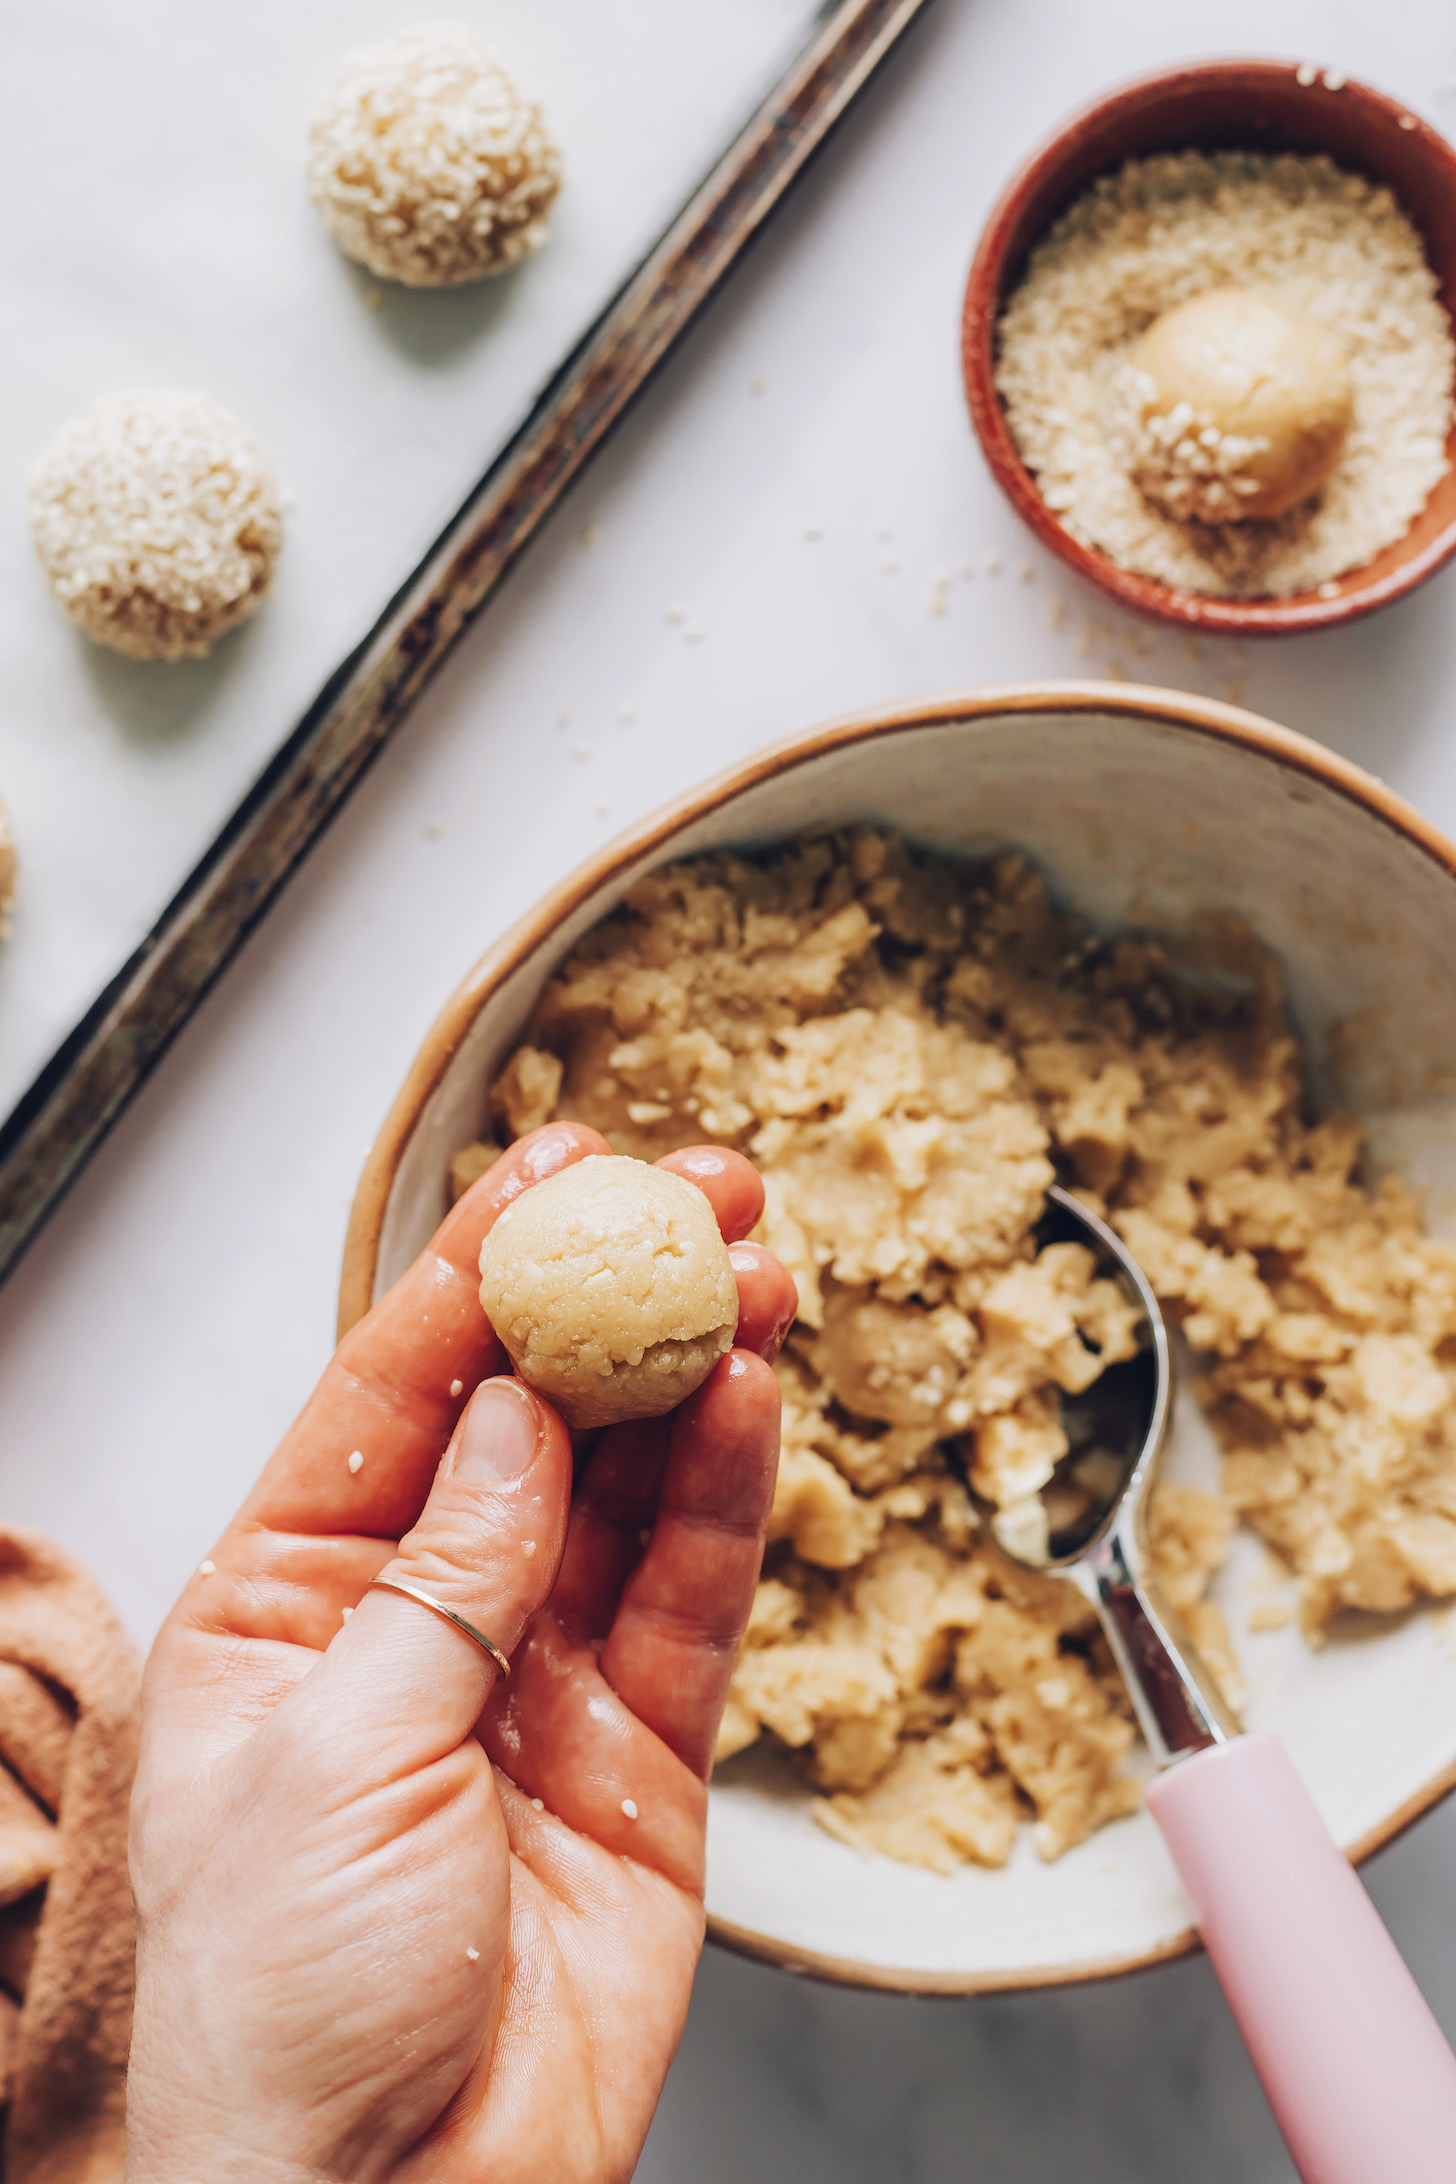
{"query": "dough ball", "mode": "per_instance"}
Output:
(612, 1289)
(428, 164)
(157, 521)
(1240, 407)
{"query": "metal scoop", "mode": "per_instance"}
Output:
(1096, 1511)
(1356, 2069)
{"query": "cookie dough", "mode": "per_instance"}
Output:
(428, 164)
(612, 1289)
(1243, 406)
(157, 522)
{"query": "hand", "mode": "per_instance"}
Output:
(399, 1917)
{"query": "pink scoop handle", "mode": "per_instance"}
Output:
(1358, 2074)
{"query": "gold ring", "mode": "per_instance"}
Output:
(426, 1600)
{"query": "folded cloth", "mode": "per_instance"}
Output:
(70, 1692)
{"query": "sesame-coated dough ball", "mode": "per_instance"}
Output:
(428, 164)
(612, 1289)
(1244, 406)
(157, 521)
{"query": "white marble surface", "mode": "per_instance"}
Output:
(169, 1321)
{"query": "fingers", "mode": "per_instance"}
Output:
(767, 1300)
(562, 1735)
(730, 1184)
(670, 1651)
(616, 1498)
(401, 1686)
(398, 1381)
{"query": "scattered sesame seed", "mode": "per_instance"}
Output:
(813, 530)
(538, 1804)
(206, 1569)
(433, 830)
(581, 750)
(356, 1461)
(345, 1613)
(968, 568)
(528, 1548)
(428, 164)
(626, 716)
(1407, 121)
(993, 564)
(1025, 570)
(1335, 79)
(758, 386)
(675, 614)
(692, 635)
(604, 809)
(890, 564)
(563, 720)
(1329, 590)
(629, 1807)
(457, 1387)
(589, 535)
(1306, 73)
(473, 1955)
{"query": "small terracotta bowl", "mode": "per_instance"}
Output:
(1142, 807)
(1216, 106)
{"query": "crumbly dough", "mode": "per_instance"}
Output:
(611, 1287)
(910, 1051)
(157, 522)
(1239, 407)
(427, 162)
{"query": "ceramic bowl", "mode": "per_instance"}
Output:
(1217, 105)
(1141, 806)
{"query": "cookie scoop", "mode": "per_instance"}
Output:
(611, 1288)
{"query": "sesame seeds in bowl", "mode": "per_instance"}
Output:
(1230, 177)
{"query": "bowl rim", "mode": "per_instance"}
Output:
(1210, 718)
(980, 313)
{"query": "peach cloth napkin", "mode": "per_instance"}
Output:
(70, 1692)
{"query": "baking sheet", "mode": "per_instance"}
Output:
(167, 239)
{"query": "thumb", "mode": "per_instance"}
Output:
(401, 1681)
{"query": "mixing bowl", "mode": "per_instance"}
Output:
(1142, 807)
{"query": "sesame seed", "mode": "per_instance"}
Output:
(1025, 570)
(889, 564)
(528, 1548)
(813, 530)
(356, 1461)
(1335, 79)
(993, 564)
(345, 1613)
(604, 809)
(563, 720)
(629, 1808)
(1327, 591)
(626, 716)
(675, 614)
(206, 1569)
(581, 750)
(758, 386)
(433, 830)
(538, 1804)
(457, 1387)
(693, 635)
(1407, 121)
(473, 1955)
(589, 535)
(1306, 74)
